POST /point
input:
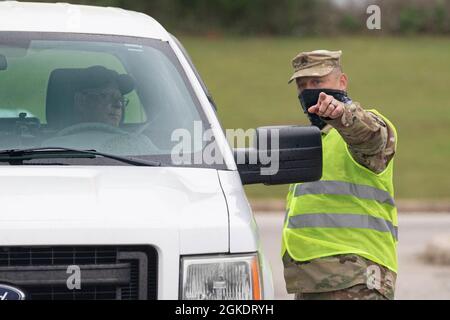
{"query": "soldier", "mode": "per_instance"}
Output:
(340, 233)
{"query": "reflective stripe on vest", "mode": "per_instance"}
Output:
(344, 188)
(341, 220)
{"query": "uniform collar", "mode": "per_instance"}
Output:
(326, 129)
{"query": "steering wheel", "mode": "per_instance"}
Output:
(90, 126)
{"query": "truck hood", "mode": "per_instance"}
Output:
(179, 210)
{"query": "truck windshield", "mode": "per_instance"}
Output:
(123, 96)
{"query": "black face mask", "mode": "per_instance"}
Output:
(309, 97)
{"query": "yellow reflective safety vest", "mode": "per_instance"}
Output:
(351, 210)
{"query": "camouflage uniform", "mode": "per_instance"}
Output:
(346, 277)
(337, 277)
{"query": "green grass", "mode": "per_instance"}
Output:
(407, 79)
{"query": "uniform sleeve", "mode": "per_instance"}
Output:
(371, 141)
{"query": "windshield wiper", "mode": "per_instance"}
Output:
(17, 156)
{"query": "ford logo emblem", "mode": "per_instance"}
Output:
(11, 293)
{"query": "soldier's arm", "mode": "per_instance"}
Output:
(371, 141)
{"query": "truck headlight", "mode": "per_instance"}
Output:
(230, 277)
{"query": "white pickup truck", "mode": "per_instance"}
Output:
(106, 187)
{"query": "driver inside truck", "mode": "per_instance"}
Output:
(100, 96)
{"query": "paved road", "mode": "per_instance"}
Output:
(416, 280)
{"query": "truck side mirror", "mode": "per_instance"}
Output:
(296, 149)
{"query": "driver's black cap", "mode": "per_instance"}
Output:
(98, 76)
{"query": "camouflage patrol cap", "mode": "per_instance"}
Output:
(317, 63)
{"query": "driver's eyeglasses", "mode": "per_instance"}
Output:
(121, 102)
(106, 98)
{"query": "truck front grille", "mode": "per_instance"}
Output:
(106, 272)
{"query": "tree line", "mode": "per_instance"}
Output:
(289, 17)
